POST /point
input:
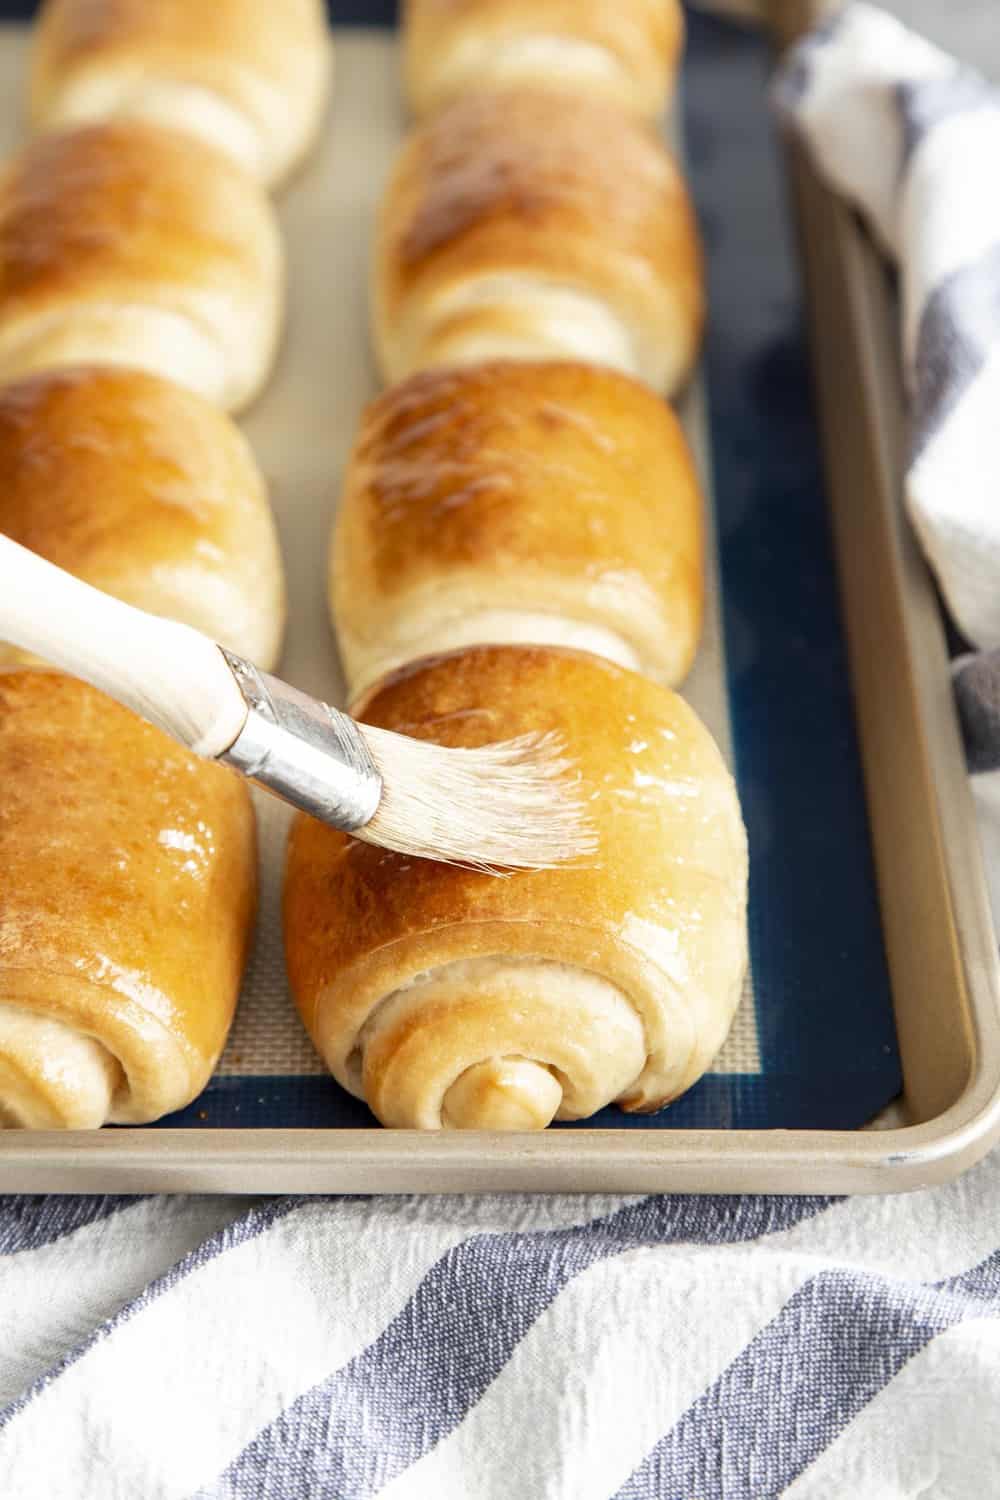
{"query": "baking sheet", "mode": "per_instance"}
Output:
(813, 1042)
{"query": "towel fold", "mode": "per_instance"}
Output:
(912, 137)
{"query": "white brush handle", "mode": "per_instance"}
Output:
(167, 673)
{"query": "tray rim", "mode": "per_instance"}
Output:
(324, 1161)
(283, 1160)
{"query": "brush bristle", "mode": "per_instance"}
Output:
(508, 806)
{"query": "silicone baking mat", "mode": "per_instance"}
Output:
(813, 1042)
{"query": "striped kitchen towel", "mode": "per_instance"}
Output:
(912, 137)
(665, 1348)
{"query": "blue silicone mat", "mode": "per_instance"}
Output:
(825, 1038)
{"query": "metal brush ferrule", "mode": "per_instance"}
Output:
(303, 750)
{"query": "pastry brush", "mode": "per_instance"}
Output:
(509, 805)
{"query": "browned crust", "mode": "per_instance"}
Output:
(129, 874)
(126, 211)
(522, 473)
(644, 37)
(113, 472)
(517, 184)
(208, 41)
(659, 911)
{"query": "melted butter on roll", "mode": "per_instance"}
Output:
(451, 999)
(515, 227)
(545, 503)
(126, 907)
(146, 491)
(249, 77)
(51, 1076)
(624, 51)
(129, 244)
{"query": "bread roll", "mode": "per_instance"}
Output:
(625, 51)
(134, 245)
(248, 76)
(148, 493)
(450, 998)
(516, 226)
(550, 503)
(126, 906)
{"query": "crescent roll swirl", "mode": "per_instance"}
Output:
(447, 998)
(551, 503)
(147, 492)
(515, 226)
(128, 244)
(249, 77)
(126, 904)
(625, 51)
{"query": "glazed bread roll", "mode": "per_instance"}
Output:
(448, 998)
(625, 51)
(248, 76)
(147, 492)
(514, 226)
(549, 503)
(125, 909)
(134, 245)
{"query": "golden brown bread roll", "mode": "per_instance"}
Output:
(147, 492)
(248, 76)
(625, 51)
(514, 226)
(446, 997)
(550, 503)
(134, 245)
(126, 907)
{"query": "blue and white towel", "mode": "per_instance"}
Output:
(912, 137)
(664, 1348)
(659, 1348)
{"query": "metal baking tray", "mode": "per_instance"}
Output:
(861, 966)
